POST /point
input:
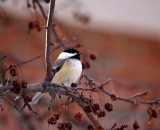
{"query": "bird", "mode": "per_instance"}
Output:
(67, 69)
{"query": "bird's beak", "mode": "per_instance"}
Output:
(79, 53)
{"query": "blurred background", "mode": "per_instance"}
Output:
(125, 36)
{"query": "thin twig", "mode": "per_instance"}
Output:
(10, 103)
(53, 28)
(26, 104)
(42, 10)
(2, 76)
(105, 83)
(139, 94)
(114, 125)
(95, 89)
(58, 37)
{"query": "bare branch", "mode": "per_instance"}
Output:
(101, 87)
(49, 72)
(63, 90)
(4, 88)
(51, 87)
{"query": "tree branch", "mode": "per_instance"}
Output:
(49, 72)
(51, 87)
(157, 101)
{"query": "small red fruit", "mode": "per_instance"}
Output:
(36, 24)
(78, 116)
(47, 1)
(93, 56)
(24, 84)
(28, 98)
(108, 107)
(30, 25)
(136, 125)
(113, 97)
(16, 87)
(52, 121)
(56, 115)
(87, 109)
(39, 29)
(90, 127)
(96, 106)
(86, 65)
(13, 71)
(69, 125)
(101, 113)
(59, 126)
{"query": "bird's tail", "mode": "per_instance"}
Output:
(36, 98)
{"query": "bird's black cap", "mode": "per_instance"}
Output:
(71, 50)
(77, 56)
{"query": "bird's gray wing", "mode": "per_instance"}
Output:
(58, 65)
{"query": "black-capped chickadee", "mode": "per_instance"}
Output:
(67, 69)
